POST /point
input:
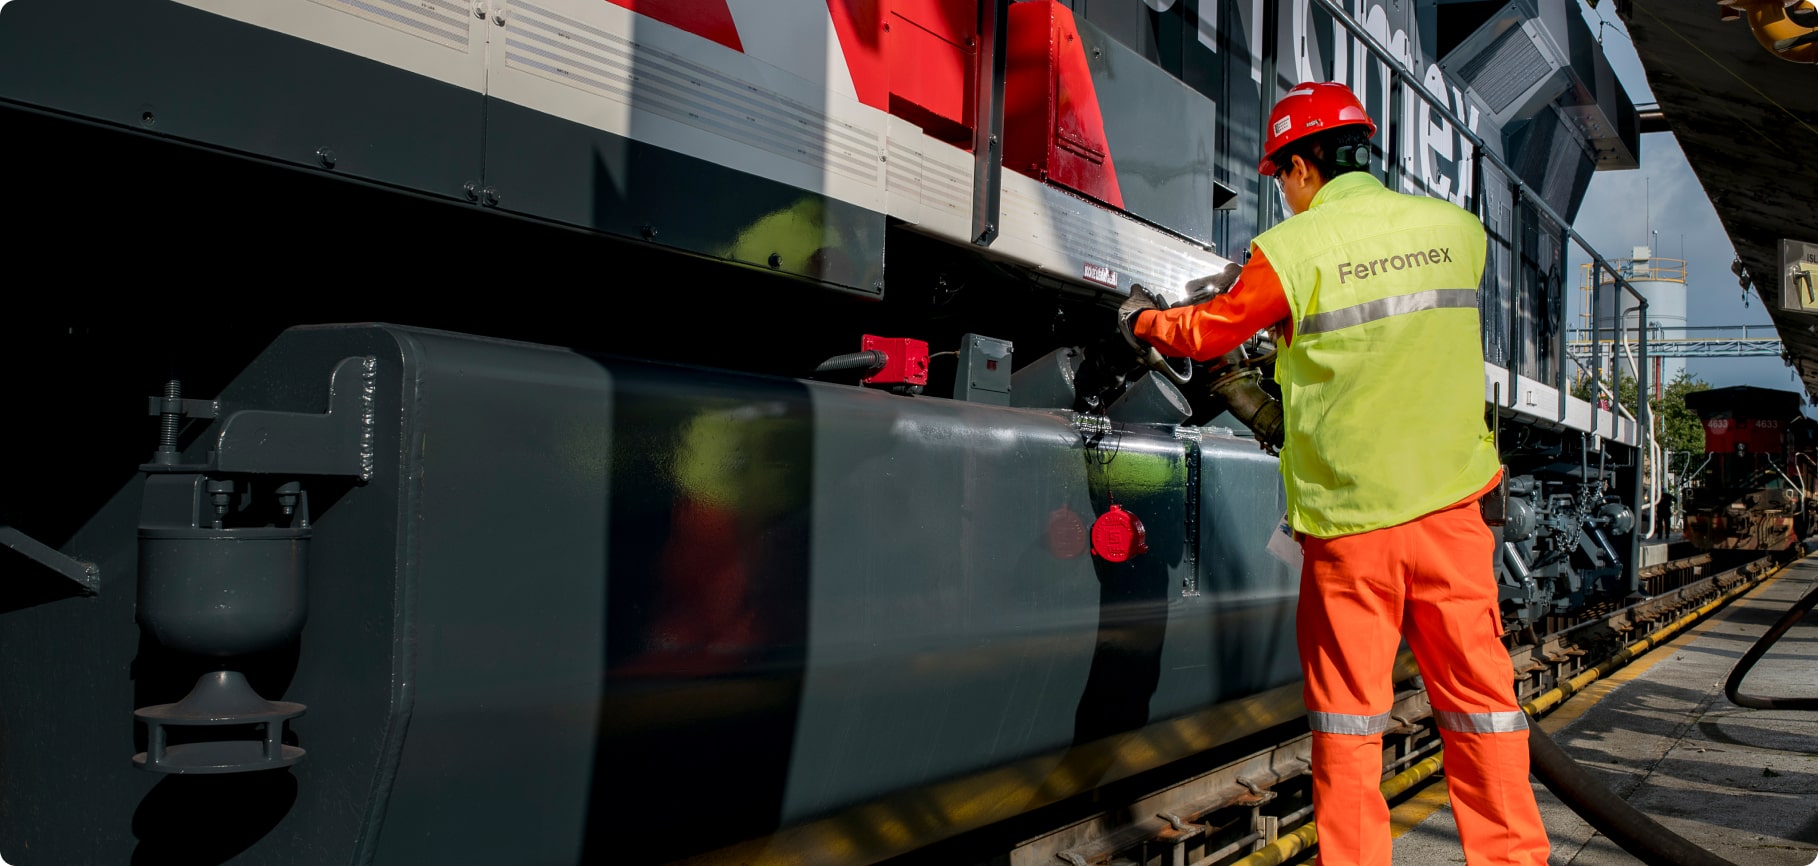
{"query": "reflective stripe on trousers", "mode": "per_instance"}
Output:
(1482, 723)
(1469, 723)
(1431, 580)
(1347, 723)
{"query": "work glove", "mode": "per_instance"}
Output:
(1207, 287)
(1140, 299)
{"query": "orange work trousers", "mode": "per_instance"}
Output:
(1433, 581)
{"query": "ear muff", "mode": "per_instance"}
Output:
(1354, 156)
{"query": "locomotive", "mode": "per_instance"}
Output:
(662, 431)
(1753, 488)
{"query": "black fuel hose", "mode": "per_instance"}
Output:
(1733, 684)
(1636, 833)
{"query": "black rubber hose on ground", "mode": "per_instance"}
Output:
(1641, 836)
(1731, 686)
(1635, 832)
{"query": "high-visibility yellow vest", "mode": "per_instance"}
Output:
(1382, 380)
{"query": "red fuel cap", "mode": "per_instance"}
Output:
(1118, 535)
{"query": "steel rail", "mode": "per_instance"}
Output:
(1306, 836)
(1424, 761)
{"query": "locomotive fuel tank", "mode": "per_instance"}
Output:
(525, 604)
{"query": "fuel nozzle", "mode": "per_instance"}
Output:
(1241, 390)
(1233, 385)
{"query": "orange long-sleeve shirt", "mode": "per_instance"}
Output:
(1209, 330)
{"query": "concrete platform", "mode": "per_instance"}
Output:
(1741, 783)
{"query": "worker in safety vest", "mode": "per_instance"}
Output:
(1385, 455)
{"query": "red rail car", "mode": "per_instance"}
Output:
(1755, 488)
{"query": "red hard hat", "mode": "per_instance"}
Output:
(1309, 108)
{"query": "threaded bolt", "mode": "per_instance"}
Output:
(171, 417)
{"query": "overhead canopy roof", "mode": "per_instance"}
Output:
(1748, 123)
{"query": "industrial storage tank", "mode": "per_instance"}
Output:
(1662, 282)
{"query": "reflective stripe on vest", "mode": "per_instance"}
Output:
(1347, 723)
(1482, 723)
(1382, 308)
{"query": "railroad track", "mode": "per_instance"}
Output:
(1256, 809)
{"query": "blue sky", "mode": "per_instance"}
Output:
(1663, 200)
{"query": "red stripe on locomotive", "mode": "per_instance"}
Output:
(710, 19)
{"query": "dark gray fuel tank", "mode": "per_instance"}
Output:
(565, 608)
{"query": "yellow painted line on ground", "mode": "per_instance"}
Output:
(1576, 705)
(1411, 812)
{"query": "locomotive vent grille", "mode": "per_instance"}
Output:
(546, 43)
(1510, 67)
(444, 22)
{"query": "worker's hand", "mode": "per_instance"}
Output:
(1278, 334)
(1210, 286)
(1140, 299)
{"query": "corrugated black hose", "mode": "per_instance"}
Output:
(868, 362)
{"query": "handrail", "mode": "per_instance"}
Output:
(1402, 73)
(1659, 328)
(1656, 268)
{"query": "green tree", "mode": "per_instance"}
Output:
(1678, 426)
(1680, 429)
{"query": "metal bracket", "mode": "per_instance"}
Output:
(1180, 825)
(182, 406)
(85, 574)
(337, 442)
(988, 121)
(1261, 794)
